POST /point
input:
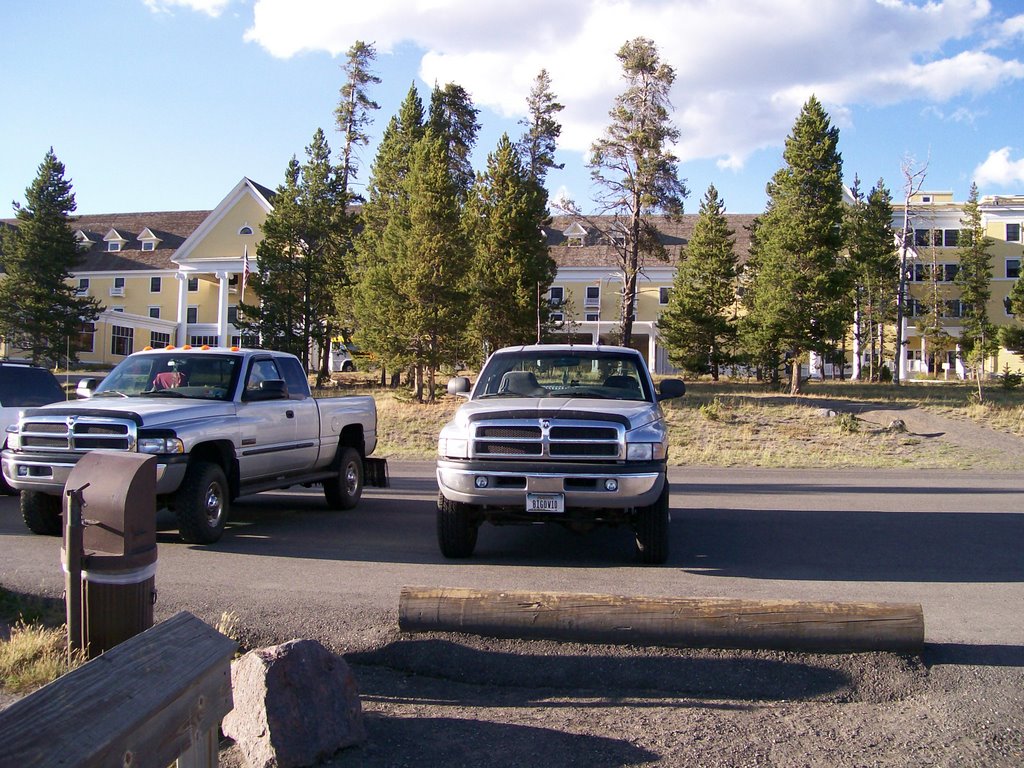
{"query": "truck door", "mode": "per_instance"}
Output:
(272, 441)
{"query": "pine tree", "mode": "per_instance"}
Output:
(42, 313)
(978, 339)
(634, 168)
(379, 308)
(511, 264)
(695, 327)
(802, 286)
(298, 257)
(352, 116)
(540, 139)
(432, 274)
(874, 266)
(276, 318)
(453, 121)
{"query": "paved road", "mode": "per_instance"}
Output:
(952, 541)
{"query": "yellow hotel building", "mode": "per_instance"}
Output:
(174, 277)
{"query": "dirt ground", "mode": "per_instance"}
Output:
(436, 700)
(450, 700)
(447, 700)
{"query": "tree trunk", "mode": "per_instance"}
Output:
(794, 380)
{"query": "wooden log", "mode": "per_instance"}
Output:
(830, 627)
(145, 702)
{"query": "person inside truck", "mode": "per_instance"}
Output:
(174, 376)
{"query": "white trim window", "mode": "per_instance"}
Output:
(592, 298)
(556, 295)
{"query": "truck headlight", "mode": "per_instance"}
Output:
(13, 436)
(645, 451)
(161, 445)
(453, 448)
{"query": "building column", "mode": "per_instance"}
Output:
(181, 332)
(223, 338)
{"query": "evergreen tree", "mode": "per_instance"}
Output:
(453, 120)
(277, 316)
(436, 257)
(353, 118)
(802, 286)
(298, 258)
(1012, 336)
(512, 265)
(378, 306)
(634, 168)
(978, 339)
(875, 269)
(695, 326)
(540, 139)
(42, 313)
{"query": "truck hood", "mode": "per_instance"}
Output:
(637, 413)
(153, 411)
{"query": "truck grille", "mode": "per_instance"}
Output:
(84, 433)
(548, 438)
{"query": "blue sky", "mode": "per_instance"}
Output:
(156, 105)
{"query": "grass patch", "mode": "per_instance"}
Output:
(730, 423)
(36, 651)
(34, 656)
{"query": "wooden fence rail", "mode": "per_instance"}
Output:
(155, 699)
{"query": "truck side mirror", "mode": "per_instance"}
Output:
(86, 387)
(671, 388)
(459, 385)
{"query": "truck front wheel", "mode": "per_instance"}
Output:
(651, 527)
(456, 528)
(41, 513)
(344, 490)
(201, 504)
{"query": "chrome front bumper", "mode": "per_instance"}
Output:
(49, 474)
(508, 483)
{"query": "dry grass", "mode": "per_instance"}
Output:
(34, 656)
(743, 424)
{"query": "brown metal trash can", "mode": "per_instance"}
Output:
(119, 554)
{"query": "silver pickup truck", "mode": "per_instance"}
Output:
(223, 423)
(566, 434)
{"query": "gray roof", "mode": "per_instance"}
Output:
(598, 251)
(172, 227)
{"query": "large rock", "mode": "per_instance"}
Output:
(295, 704)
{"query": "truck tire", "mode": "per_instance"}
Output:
(345, 489)
(201, 503)
(42, 513)
(651, 527)
(456, 528)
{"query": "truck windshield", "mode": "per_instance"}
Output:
(203, 376)
(597, 374)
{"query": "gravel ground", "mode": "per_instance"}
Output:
(455, 700)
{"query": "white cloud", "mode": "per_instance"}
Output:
(743, 69)
(999, 170)
(209, 7)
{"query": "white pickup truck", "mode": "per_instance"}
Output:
(556, 433)
(223, 423)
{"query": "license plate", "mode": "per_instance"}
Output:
(545, 502)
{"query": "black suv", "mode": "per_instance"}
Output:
(23, 386)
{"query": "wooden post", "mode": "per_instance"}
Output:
(666, 621)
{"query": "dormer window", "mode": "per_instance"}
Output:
(83, 241)
(575, 235)
(245, 230)
(148, 240)
(114, 241)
